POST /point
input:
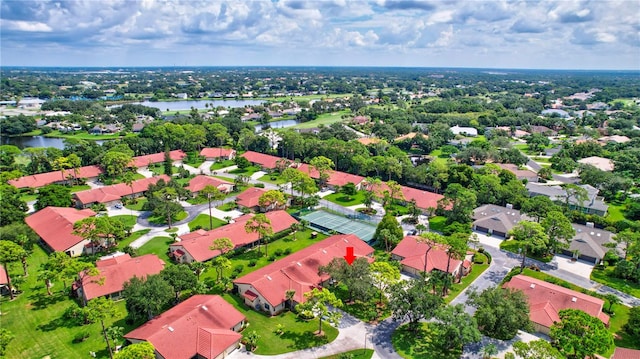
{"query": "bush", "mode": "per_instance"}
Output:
(272, 258)
(478, 259)
(259, 185)
(82, 336)
(489, 258)
(238, 268)
(611, 257)
(278, 252)
(195, 228)
(287, 251)
(252, 263)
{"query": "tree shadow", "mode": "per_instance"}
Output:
(60, 322)
(304, 340)
(41, 301)
(419, 343)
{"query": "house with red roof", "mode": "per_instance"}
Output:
(546, 300)
(424, 199)
(4, 281)
(199, 182)
(265, 288)
(142, 162)
(624, 353)
(218, 154)
(262, 160)
(194, 246)
(203, 326)
(57, 177)
(250, 198)
(113, 194)
(54, 225)
(114, 272)
(413, 254)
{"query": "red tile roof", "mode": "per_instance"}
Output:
(412, 251)
(143, 161)
(43, 179)
(266, 161)
(55, 226)
(424, 199)
(624, 353)
(299, 271)
(217, 152)
(336, 178)
(197, 243)
(201, 325)
(117, 191)
(250, 197)
(546, 300)
(198, 182)
(117, 270)
(3, 276)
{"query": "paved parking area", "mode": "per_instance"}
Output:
(579, 268)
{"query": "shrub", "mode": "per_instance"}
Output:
(287, 251)
(82, 336)
(259, 185)
(272, 258)
(195, 228)
(278, 252)
(238, 268)
(252, 263)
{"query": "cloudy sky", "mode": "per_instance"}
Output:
(562, 34)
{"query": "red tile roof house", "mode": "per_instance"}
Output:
(411, 254)
(546, 300)
(424, 199)
(194, 246)
(521, 174)
(113, 194)
(203, 326)
(624, 353)
(249, 198)
(199, 182)
(43, 179)
(142, 162)
(4, 282)
(215, 154)
(264, 161)
(336, 178)
(114, 272)
(54, 225)
(265, 288)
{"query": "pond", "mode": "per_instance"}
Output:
(198, 104)
(278, 124)
(35, 141)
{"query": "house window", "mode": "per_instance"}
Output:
(266, 306)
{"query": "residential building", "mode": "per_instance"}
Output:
(142, 162)
(412, 253)
(217, 154)
(496, 220)
(89, 173)
(250, 198)
(203, 326)
(521, 173)
(546, 300)
(624, 353)
(54, 225)
(195, 246)
(613, 139)
(265, 289)
(464, 131)
(266, 162)
(589, 243)
(113, 194)
(199, 182)
(425, 200)
(593, 204)
(601, 163)
(114, 272)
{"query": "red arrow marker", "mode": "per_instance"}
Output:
(350, 257)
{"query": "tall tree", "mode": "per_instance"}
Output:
(458, 203)
(500, 312)
(532, 237)
(559, 230)
(13, 208)
(146, 297)
(393, 233)
(272, 199)
(409, 301)
(356, 277)
(579, 335)
(166, 204)
(323, 165)
(536, 349)
(538, 207)
(142, 350)
(455, 328)
(9, 253)
(220, 263)
(261, 225)
(222, 244)
(211, 193)
(97, 230)
(319, 303)
(456, 248)
(53, 195)
(384, 275)
(99, 309)
(5, 338)
(180, 277)
(115, 163)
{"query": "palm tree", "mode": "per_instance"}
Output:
(261, 225)
(295, 227)
(211, 193)
(488, 351)
(289, 294)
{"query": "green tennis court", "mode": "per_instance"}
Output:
(332, 222)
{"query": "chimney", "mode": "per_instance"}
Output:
(590, 225)
(509, 206)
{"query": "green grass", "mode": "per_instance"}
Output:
(365, 311)
(229, 206)
(272, 178)
(193, 159)
(202, 220)
(324, 119)
(79, 188)
(353, 354)
(476, 270)
(163, 219)
(512, 246)
(437, 223)
(615, 212)
(298, 334)
(138, 205)
(248, 171)
(135, 235)
(344, 200)
(36, 320)
(127, 219)
(605, 276)
(157, 246)
(222, 164)
(83, 135)
(418, 344)
(28, 197)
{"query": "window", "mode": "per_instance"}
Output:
(266, 306)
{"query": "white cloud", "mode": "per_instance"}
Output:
(27, 26)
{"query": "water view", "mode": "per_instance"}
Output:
(198, 104)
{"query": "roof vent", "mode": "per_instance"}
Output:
(509, 205)
(574, 299)
(345, 240)
(592, 233)
(598, 234)
(324, 251)
(204, 307)
(533, 285)
(269, 278)
(590, 224)
(170, 329)
(299, 264)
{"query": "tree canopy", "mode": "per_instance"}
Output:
(579, 335)
(500, 312)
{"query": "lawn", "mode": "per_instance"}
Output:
(79, 188)
(615, 212)
(418, 344)
(229, 206)
(353, 354)
(158, 246)
(272, 178)
(605, 276)
(27, 197)
(344, 200)
(324, 119)
(437, 223)
(202, 220)
(83, 135)
(36, 320)
(138, 205)
(513, 246)
(476, 270)
(248, 171)
(222, 164)
(126, 219)
(163, 219)
(297, 335)
(135, 235)
(193, 159)
(365, 311)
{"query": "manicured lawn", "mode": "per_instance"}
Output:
(248, 171)
(135, 235)
(615, 212)
(272, 178)
(157, 246)
(476, 270)
(83, 135)
(163, 220)
(397, 209)
(229, 206)
(324, 119)
(193, 159)
(353, 354)
(79, 188)
(28, 197)
(365, 311)
(513, 246)
(344, 200)
(203, 221)
(37, 323)
(605, 276)
(298, 334)
(138, 205)
(127, 219)
(418, 344)
(222, 164)
(437, 223)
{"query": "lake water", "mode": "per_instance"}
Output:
(198, 104)
(278, 124)
(35, 141)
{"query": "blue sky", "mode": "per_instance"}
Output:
(562, 34)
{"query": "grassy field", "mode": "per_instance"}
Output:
(418, 344)
(157, 246)
(353, 354)
(437, 223)
(83, 135)
(245, 171)
(135, 235)
(615, 212)
(227, 206)
(512, 246)
(222, 164)
(127, 219)
(163, 220)
(202, 220)
(37, 322)
(476, 270)
(344, 200)
(138, 205)
(272, 178)
(324, 119)
(297, 334)
(605, 276)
